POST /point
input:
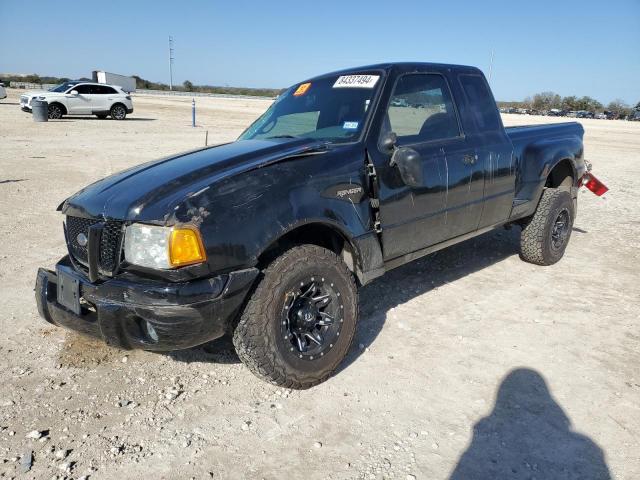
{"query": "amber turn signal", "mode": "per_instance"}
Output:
(185, 247)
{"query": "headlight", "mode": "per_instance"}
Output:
(163, 247)
(41, 98)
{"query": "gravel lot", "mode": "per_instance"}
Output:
(467, 364)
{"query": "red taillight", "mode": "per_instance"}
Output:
(593, 184)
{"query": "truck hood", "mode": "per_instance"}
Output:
(153, 191)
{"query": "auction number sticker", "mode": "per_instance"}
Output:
(356, 81)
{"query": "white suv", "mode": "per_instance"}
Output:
(82, 98)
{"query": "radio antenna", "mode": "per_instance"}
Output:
(491, 67)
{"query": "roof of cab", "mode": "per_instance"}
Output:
(406, 66)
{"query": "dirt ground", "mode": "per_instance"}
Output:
(468, 364)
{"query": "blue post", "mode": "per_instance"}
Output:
(193, 112)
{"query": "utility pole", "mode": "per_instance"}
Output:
(491, 67)
(170, 62)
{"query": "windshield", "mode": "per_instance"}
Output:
(333, 109)
(63, 87)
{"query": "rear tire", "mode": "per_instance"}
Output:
(118, 112)
(299, 322)
(545, 236)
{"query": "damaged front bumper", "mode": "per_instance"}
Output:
(133, 312)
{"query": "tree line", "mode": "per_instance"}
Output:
(187, 86)
(546, 101)
(142, 83)
(35, 78)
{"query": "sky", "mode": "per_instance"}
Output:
(587, 47)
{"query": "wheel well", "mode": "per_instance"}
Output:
(314, 234)
(561, 175)
(117, 103)
(64, 109)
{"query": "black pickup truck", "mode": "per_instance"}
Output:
(346, 176)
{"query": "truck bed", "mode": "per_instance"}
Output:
(520, 132)
(536, 149)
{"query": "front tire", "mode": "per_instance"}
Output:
(55, 111)
(118, 112)
(546, 235)
(299, 322)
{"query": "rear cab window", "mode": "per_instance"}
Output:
(481, 104)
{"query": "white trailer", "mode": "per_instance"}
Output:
(128, 84)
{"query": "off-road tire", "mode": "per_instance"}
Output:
(257, 337)
(118, 111)
(536, 240)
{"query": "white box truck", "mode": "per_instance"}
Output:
(128, 84)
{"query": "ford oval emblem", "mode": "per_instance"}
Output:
(82, 239)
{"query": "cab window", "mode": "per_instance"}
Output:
(103, 90)
(83, 89)
(421, 110)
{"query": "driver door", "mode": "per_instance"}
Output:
(81, 103)
(422, 115)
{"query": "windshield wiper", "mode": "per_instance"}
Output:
(317, 149)
(283, 136)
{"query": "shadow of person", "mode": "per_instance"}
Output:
(529, 436)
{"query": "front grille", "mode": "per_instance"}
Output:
(110, 245)
(75, 227)
(110, 241)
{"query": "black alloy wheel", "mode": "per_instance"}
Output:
(560, 230)
(311, 318)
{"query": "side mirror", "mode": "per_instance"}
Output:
(388, 142)
(74, 93)
(409, 165)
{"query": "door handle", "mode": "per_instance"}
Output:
(469, 159)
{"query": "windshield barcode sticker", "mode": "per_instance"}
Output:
(356, 81)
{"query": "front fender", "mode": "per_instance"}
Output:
(242, 215)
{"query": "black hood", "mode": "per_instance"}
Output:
(151, 191)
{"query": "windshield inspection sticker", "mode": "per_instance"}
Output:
(302, 89)
(356, 81)
(350, 125)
